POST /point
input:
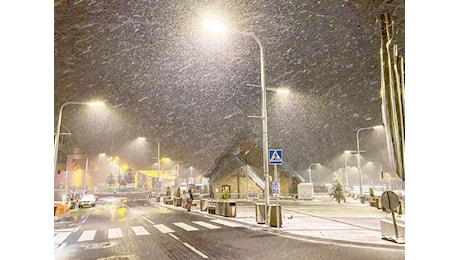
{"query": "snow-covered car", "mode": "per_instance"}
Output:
(88, 200)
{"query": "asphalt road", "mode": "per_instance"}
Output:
(142, 230)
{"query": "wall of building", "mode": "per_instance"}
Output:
(230, 178)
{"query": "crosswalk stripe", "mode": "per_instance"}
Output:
(115, 233)
(163, 228)
(60, 237)
(226, 223)
(185, 226)
(140, 230)
(206, 224)
(87, 235)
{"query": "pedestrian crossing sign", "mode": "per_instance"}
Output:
(275, 156)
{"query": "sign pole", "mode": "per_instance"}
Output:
(276, 196)
(275, 159)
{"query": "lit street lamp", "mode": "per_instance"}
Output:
(221, 28)
(157, 184)
(309, 168)
(359, 155)
(380, 171)
(58, 130)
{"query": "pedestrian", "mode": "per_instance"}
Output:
(189, 199)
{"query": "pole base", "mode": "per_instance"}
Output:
(397, 240)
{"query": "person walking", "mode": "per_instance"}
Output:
(189, 199)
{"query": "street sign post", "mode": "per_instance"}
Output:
(275, 157)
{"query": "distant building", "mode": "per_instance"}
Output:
(239, 170)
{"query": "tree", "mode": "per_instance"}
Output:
(129, 176)
(110, 180)
(337, 192)
(337, 189)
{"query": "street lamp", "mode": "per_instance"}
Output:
(309, 168)
(218, 27)
(359, 160)
(58, 130)
(380, 171)
(158, 158)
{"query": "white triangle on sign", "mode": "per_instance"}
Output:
(275, 157)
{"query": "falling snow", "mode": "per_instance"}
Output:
(162, 76)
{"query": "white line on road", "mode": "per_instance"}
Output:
(140, 230)
(61, 236)
(173, 236)
(185, 226)
(163, 228)
(87, 235)
(61, 246)
(227, 223)
(206, 224)
(195, 250)
(115, 233)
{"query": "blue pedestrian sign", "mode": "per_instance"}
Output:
(275, 188)
(275, 156)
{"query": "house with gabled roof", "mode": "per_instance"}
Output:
(239, 169)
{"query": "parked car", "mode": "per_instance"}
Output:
(87, 200)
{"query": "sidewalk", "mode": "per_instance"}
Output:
(321, 219)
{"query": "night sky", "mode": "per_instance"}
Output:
(162, 75)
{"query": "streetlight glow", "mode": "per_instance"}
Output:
(214, 26)
(309, 168)
(158, 158)
(360, 172)
(282, 91)
(58, 130)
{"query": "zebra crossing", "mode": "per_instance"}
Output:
(113, 233)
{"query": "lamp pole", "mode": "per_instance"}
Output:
(159, 167)
(157, 183)
(264, 122)
(264, 125)
(220, 28)
(58, 130)
(309, 168)
(381, 177)
(359, 157)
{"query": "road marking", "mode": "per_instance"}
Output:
(163, 228)
(60, 237)
(185, 226)
(195, 250)
(173, 236)
(61, 246)
(140, 230)
(115, 233)
(87, 235)
(206, 224)
(226, 223)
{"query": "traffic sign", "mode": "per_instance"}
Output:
(275, 156)
(275, 187)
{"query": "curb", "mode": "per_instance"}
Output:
(272, 230)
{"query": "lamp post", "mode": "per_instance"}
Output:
(381, 177)
(58, 130)
(309, 168)
(359, 159)
(158, 159)
(220, 28)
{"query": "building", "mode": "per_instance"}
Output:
(239, 170)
